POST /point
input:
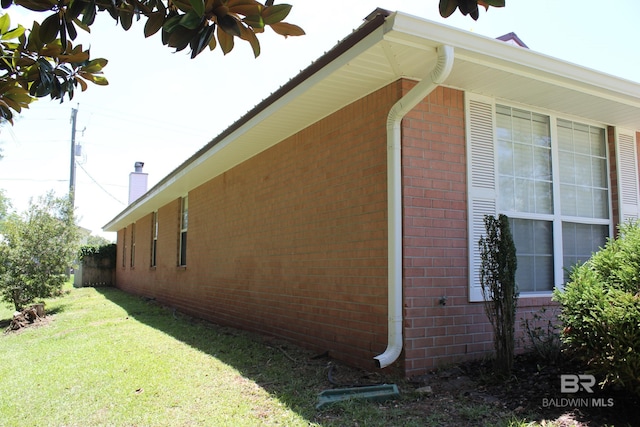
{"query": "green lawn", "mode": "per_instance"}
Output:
(105, 358)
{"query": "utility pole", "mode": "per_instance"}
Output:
(72, 173)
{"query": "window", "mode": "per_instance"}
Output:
(550, 176)
(124, 247)
(577, 208)
(154, 238)
(133, 246)
(184, 221)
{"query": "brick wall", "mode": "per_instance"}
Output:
(291, 243)
(435, 240)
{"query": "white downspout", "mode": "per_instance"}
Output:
(394, 195)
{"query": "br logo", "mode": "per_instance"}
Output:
(570, 383)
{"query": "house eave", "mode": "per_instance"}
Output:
(388, 47)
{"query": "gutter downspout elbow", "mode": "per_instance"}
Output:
(436, 76)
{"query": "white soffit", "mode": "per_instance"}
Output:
(405, 46)
(497, 69)
(356, 73)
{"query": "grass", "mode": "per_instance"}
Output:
(106, 358)
(110, 359)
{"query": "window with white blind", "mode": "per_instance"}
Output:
(549, 175)
(133, 246)
(184, 222)
(579, 206)
(154, 238)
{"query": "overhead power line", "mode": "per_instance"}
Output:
(98, 184)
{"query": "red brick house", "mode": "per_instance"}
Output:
(343, 212)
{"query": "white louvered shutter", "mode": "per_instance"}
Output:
(627, 155)
(481, 175)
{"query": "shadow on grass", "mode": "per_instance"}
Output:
(289, 373)
(295, 377)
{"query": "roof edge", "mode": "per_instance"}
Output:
(373, 21)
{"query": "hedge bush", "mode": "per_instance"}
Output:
(600, 310)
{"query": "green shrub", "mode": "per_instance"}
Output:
(98, 252)
(600, 310)
(499, 289)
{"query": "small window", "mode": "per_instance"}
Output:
(133, 245)
(154, 238)
(184, 221)
(124, 247)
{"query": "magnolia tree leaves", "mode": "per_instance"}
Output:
(467, 7)
(184, 23)
(44, 62)
(32, 67)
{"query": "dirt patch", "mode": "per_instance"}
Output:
(469, 394)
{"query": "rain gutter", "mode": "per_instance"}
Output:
(394, 191)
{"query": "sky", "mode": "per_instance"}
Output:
(160, 107)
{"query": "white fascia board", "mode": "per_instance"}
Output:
(497, 54)
(178, 183)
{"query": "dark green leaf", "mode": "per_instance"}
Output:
(171, 23)
(275, 14)
(199, 43)
(447, 7)
(165, 36)
(63, 36)
(6, 3)
(126, 19)
(71, 29)
(82, 25)
(153, 24)
(6, 113)
(36, 5)
(469, 7)
(229, 25)
(198, 7)
(49, 28)
(44, 65)
(494, 3)
(191, 20)
(89, 13)
(180, 38)
(75, 9)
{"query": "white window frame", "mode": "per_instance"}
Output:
(124, 247)
(483, 182)
(132, 251)
(154, 238)
(182, 235)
